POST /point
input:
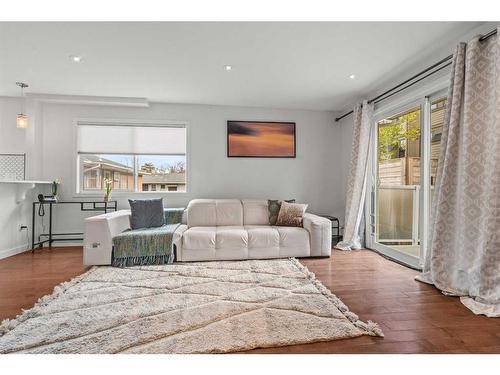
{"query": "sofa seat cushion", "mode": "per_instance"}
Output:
(293, 241)
(215, 237)
(241, 242)
(248, 236)
(263, 242)
(262, 236)
(231, 237)
(199, 238)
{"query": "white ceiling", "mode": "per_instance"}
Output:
(282, 65)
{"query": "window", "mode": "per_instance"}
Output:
(135, 158)
(162, 170)
(91, 178)
(398, 181)
(124, 181)
(117, 168)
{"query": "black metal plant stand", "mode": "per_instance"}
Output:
(50, 237)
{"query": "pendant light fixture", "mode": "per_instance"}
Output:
(22, 118)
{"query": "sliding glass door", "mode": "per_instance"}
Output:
(396, 191)
(403, 167)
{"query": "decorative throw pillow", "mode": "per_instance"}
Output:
(146, 213)
(291, 214)
(274, 208)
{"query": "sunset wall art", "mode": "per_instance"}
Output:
(260, 139)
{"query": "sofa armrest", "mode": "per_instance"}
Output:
(177, 241)
(320, 234)
(98, 236)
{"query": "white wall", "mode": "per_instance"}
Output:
(12, 139)
(13, 214)
(314, 176)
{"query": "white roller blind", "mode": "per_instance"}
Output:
(125, 139)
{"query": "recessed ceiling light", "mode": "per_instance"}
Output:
(228, 67)
(76, 58)
(352, 76)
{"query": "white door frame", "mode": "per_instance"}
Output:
(425, 178)
(371, 198)
(425, 173)
(423, 98)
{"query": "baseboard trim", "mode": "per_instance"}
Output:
(26, 247)
(67, 243)
(13, 251)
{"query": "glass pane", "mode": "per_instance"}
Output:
(398, 181)
(95, 168)
(162, 173)
(438, 109)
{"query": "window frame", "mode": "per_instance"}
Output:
(77, 173)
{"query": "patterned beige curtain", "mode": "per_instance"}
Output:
(356, 184)
(464, 249)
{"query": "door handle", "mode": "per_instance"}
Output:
(372, 203)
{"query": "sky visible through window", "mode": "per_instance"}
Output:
(163, 161)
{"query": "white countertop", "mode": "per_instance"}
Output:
(25, 182)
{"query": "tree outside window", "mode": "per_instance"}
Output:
(394, 135)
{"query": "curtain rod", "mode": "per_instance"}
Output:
(394, 90)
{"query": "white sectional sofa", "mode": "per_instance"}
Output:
(219, 229)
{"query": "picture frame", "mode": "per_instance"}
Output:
(261, 139)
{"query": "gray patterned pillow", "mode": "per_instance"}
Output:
(146, 213)
(291, 214)
(274, 208)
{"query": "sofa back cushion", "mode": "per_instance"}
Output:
(255, 212)
(214, 212)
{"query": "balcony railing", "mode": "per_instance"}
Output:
(398, 214)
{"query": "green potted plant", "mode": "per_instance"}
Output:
(108, 187)
(55, 186)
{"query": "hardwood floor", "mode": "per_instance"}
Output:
(415, 317)
(26, 277)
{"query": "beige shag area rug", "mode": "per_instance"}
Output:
(206, 307)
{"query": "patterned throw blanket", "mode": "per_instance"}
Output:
(147, 246)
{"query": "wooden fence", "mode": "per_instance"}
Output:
(403, 171)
